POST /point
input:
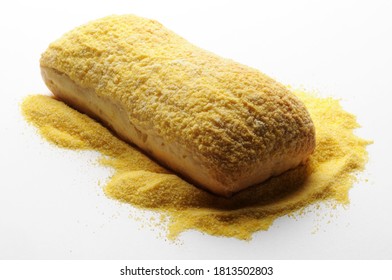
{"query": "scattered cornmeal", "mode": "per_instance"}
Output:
(143, 183)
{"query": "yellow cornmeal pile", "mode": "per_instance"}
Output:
(143, 183)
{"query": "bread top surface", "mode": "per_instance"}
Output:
(229, 114)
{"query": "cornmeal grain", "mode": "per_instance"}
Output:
(143, 183)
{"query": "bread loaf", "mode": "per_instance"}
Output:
(219, 124)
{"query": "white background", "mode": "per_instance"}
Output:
(51, 206)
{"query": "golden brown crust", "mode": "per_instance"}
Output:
(240, 125)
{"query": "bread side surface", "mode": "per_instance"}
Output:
(224, 125)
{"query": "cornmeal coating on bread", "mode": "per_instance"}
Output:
(230, 116)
